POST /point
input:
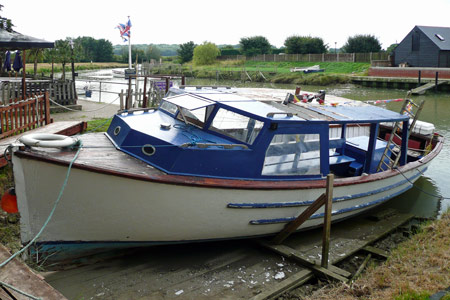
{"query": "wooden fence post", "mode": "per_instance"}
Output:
(327, 221)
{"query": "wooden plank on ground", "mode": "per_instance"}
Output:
(286, 285)
(376, 251)
(298, 256)
(19, 275)
(63, 127)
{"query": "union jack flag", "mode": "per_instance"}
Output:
(125, 30)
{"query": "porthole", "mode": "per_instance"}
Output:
(148, 150)
(117, 130)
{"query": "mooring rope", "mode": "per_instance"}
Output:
(421, 190)
(4, 263)
(92, 110)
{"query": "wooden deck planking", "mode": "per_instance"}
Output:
(223, 270)
(20, 276)
(63, 127)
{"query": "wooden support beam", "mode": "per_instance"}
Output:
(327, 221)
(305, 215)
(361, 267)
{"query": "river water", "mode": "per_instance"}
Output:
(431, 194)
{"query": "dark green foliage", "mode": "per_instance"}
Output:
(5, 23)
(224, 52)
(255, 45)
(304, 44)
(186, 52)
(103, 51)
(152, 52)
(391, 48)
(362, 43)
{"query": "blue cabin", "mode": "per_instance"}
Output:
(226, 135)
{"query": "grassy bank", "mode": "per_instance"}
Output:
(275, 72)
(46, 68)
(417, 269)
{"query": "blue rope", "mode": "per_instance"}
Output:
(51, 213)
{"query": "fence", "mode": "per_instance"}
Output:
(62, 92)
(324, 57)
(22, 115)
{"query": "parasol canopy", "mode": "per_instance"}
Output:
(7, 64)
(17, 65)
(17, 41)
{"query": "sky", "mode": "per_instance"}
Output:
(225, 22)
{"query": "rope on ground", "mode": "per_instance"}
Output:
(92, 110)
(421, 190)
(19, 291)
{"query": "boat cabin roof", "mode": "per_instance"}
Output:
(333, 114)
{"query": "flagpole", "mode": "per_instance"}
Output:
(129, 47)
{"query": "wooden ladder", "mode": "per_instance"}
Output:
(391, 155)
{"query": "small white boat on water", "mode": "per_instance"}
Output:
(209, 165)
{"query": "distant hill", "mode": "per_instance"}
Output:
(166, 49)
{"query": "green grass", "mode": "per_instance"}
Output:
(98, 125)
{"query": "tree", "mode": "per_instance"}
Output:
(5, 23)
(362, 43)
(103, 51)
(205, 54)
(63, 54)
(153, 52)
(255, 45)
(186, 52)
(36, 55)
(304, 44)
(391, 48)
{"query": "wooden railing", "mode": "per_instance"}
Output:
(22, 115)
(62, 92)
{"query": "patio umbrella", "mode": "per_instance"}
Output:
(7, 64)
(17, 65)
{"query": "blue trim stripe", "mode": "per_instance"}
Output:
(309, 202)
(333, 213)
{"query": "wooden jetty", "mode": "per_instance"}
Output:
(430, 85)
(241, 269)
(18, 275)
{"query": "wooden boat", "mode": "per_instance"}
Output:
(214, 165)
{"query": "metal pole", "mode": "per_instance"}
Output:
(436, 79)
(100, 93)
(24, 83)
(327, 221)
(144, 101)
(420, 76)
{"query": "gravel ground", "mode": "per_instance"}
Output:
(89, 110)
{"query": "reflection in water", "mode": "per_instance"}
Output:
(416, 202)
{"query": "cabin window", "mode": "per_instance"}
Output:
(169, 107)
(293, 154)
(237, 126)
(195, 117)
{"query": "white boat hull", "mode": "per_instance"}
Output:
(98, 207)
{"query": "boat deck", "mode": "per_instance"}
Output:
(62, 127)
(239, 269)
